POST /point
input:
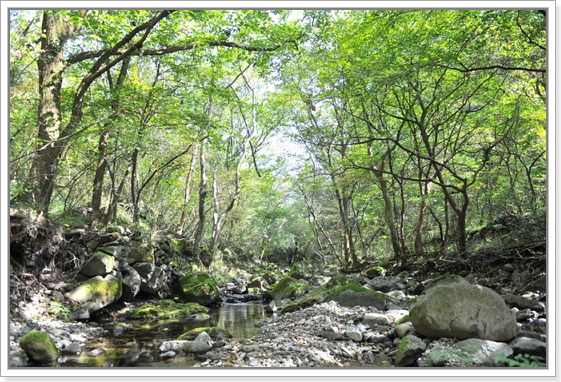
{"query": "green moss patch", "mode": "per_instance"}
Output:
(288, 287)
(167, 309)
(39, 347)
(199, 287)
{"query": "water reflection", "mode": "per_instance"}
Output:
(239, 319)
(138, 345)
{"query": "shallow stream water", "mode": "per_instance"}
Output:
(138, 345)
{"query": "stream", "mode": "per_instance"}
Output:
(138, 345)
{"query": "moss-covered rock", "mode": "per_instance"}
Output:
(167, 309)
(463, 311)
(213, 331)
(39, 347)
(375, 272)
(97, 292)
(199, 287)
(138, 252)
(345, 290)
(409, 349)
(99, 264)
(305, 269)
(288, 287)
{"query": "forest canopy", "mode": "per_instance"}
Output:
(343, 135)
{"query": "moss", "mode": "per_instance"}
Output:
(167, 309)
(403, 320)
(336, 285)
(288, 287)
(39, 347)
(212, 331)
(96, 288)
(199, 287)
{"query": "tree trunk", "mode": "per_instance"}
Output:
(101, 167)
(187, 195)
(50, 64)
(202, 200)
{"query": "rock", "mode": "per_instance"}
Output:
(131, 283)
(449, 279)
(385, 284)
(525, 345)
(99, 264)
(361, 296)
(157, 284)
(211, 356)
(287, 287)
(199, 287)
(354, 335)
(402, 330)
(73, 349)
(97, 292)
(305, 269)
(409, 349)
(168, 354)
(80, 314)
(185, 346)
(203, 337)
(112, 238)
(396, 295)
(39, 347)
(538, 285)
(167, 309)
(375, 272)
(375, 319)
(463, 311)
(330, 335)
(137, 252)
(523, 302)
(18, 359)
(259, 283)
(115, 250)
(483, 352)
(526, 314)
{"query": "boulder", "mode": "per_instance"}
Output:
(97, 292)
(287, 287)
(39, 347)
(409, 350)
(483, 352)
(131, 283)
(404, 329)
(463, 311)
(138, 252)
(157, 284)
(99, 264)
(199, 287)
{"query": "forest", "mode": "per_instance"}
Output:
(398, 140)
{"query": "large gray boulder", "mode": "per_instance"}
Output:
(138, 252)
(463, 311)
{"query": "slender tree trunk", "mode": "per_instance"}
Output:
(102, 163)
(202, 201)
(187, 195)
(424, 189)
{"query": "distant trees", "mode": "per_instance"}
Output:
(413, 131)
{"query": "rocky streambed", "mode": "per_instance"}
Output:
(323, 334)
